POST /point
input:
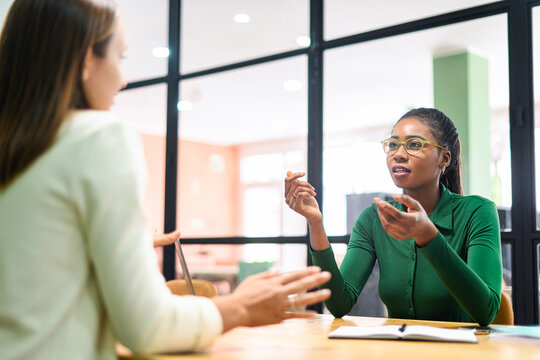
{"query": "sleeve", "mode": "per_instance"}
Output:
(475, 284)
(348, 281)
(145, 315)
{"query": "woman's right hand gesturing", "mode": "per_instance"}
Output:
(300, 196)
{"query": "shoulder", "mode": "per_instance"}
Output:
(471, 200)
(98, 130)
(472, 204)
(88, 123)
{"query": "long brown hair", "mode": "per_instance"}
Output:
(42, 50)
(444, 131)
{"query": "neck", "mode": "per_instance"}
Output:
(428, 196)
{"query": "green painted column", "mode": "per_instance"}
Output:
(460, 84)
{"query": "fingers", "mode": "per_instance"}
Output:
(291, 177)
(299, 314)
(310, 298)
(166, 239)
(307, 283)
(298, 274)
(265, 275)
(408, 201)
(387, 210)
(292, 183)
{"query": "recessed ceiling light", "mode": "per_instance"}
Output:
(241, 18)
(303, 40)
(292, 85)
(160, 52)
(184, 105)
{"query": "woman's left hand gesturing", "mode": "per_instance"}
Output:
(401, 225)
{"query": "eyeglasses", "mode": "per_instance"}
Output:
(413, 146)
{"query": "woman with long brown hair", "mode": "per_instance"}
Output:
(439, 252)
(76, 261)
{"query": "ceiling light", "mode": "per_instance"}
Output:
(184, 105)
(292, 85)
(303, 40)
(160, 52)
(241, 18)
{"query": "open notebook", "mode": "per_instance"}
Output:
(403, 332)
(185, 270)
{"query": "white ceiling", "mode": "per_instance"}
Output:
(365, 85)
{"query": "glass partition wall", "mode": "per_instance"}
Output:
(228, 96)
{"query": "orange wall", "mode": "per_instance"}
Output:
(208, 200)
(208, 190)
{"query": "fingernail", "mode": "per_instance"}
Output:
(325, 292)
(326, 274)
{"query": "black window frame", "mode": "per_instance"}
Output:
(523, 238)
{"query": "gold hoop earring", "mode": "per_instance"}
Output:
(443, 169)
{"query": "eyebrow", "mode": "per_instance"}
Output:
(408, 137)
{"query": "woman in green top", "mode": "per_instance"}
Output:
(438, 251)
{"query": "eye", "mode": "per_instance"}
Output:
(392, 144)
(414, 144)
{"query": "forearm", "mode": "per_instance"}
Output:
(347, 282)
(317, 236)
(478, 296)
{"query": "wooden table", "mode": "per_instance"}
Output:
(306, 339)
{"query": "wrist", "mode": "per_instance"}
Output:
(426, 236)
(232, 310)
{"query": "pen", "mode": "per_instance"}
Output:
(403, 327)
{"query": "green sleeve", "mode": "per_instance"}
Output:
(476, 283)
(347, 281)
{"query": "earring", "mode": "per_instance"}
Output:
(443, 169)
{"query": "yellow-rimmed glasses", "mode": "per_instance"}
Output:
(413, 145)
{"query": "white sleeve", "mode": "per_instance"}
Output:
(145, 315)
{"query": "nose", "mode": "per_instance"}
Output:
(400, 153)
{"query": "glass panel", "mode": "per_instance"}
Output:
(216, 33)
(538, 272)
(143, 60)
(146, 24)
(536, 79)
(145, 109)
(240, 131)
(370, 85)
(506, 250)
(227, 265)
(347, 17)
(4, 7)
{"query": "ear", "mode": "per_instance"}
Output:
(88, 64)
(446, 158)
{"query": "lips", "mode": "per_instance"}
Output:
(399, 172)
(399, 169)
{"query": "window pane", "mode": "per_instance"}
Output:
(146, 24)
(347, 17)
(227, 265)
(145, 109)
(4, 7)
(506, 251)
(240, 131)
(370, 85)
(216, 33)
